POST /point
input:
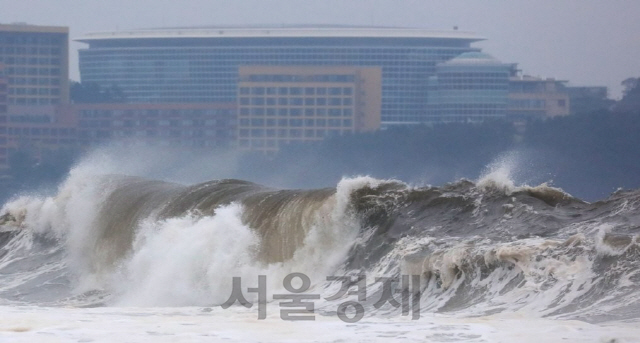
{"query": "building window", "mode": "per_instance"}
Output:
(335, 122)
(335, 112)
(257, 90)
(257, 111)
(335, 91)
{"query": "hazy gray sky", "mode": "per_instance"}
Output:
(588, 42)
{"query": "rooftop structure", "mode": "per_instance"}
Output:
(280, 32)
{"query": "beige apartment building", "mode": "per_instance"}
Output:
(279, 105)
(532, 97)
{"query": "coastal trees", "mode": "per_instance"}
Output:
(630, 101)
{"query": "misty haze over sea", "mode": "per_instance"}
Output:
(588, 156)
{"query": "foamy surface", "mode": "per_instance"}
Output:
(197, 324)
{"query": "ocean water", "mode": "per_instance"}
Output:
(123, 258)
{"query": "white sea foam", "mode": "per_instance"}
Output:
(188, 324)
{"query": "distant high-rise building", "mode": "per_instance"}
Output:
(36, 60)
(279, 105)
(198, 65)
(469, 88)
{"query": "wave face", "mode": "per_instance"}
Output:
(479, 247)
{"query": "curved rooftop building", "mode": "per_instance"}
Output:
(471, 87)
(196, 65)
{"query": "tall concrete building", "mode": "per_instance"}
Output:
(279, 105)
(197, 65)
(36, 60)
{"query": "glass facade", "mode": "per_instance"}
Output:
(205, 69)
(471, 87)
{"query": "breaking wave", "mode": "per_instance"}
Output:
(479, 247)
